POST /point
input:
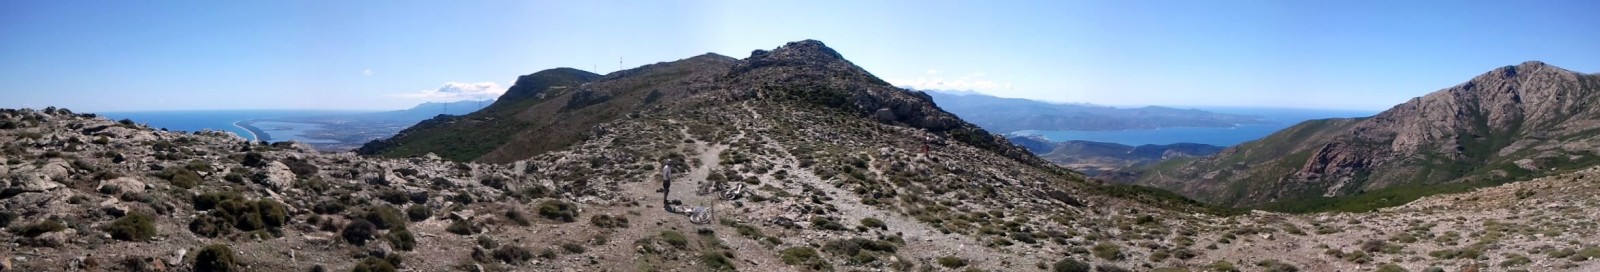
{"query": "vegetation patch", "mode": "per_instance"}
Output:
(132, 227)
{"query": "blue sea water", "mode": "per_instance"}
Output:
(1278, 119)
(211, 119)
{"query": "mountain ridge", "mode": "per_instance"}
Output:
(1508, 123)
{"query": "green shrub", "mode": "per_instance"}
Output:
(1107, 251)
(208, 201)
(39, 228)
(274, 214)
(824, 223)
(374, 264)
(6, 217)
(358, 231)
(418, 212)
(1389, 267)
(805, 257)
(132, 227)
(401, 239)
(1070, 265)
(1585, 254)
(952, 262)
(717, 261)
(871, 222)
(558, 210)
(513, 254)
(675, 239)
(393, 196)
(215, 257)
(330, 206)
(608, 221)
(385, 217)
(180, 177)
(1222, 266)
(1277, 266)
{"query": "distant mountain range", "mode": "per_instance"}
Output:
(1094, 158)
(1015, 114)
(1509, 124)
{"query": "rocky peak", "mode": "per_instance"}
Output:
(529, 86)
(806, 53)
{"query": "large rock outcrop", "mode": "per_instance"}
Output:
(1473, 134)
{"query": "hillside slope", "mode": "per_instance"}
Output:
(86, 193)
(538, 116)
(1511, 123)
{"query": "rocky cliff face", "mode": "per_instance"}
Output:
(1514, 122)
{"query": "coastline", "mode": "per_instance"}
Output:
(255, 133)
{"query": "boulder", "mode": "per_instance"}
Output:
(34, 182)
(278, 176)
(125, 184)
(56, 169)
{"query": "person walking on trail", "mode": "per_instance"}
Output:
(666, 184)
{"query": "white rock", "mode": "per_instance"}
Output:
(279, 177)
(126, 184)
(34, 181)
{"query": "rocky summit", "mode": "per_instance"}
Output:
(1509, 124)
(789, 160)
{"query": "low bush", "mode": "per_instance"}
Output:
(215, 257)
(358, 231)
(180, 177)
(384, 217)
(804, 257)
(512, 254)
(1070, 265)
(375, 264)
(558, 210)
(608, 221)
(1222, 266)
(952, 262)
(401, 239)
(674, 238)
(1107, 251)
(231, 211)
(871, 222)
(132, 227)
(6, 217)
(39, 228)
(418, 212)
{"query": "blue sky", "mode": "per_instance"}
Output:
(161, 55)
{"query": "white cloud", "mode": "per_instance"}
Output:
(933, 72)
(972, 82)
(367, 72)
(456, 91)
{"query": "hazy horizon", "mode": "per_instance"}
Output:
(368, 55)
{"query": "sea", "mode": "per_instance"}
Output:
(223, 120)
(1277, 119)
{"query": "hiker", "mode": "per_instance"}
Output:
(666, 184)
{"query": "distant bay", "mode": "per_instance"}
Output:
(221, 120)
(1227, 136)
